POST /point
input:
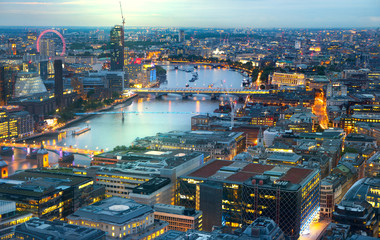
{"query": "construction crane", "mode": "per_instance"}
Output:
(122, 16)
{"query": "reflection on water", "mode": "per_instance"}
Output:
(108, 130)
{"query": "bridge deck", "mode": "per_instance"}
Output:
(200, 90)
(53, 148)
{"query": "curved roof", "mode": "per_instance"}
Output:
(366, 189)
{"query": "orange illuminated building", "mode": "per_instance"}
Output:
(4, 169)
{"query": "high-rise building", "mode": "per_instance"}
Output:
(58, 89)
(235, 193)
(43, 67)
(47, 47)
(181, 36)
(7, 81)
(8, 126)
(117, 48)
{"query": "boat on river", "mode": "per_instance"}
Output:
(81, 130)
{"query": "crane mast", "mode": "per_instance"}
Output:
(122, 16)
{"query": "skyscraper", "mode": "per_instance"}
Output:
(181, 36)
(58, 89)
(117, 48)
(47, 47)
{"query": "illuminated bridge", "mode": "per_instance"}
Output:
(144, 112)
(58, 149)
(189, 91)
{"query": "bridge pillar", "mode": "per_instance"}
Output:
(158, 96)
(28, 150)
(61, 153)
(186, 95)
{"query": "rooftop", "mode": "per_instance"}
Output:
(38, 183)
(57, 230)
(149, 158)
(239, 172)
(114, 210)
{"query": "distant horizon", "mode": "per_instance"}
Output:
(297, 14)
(252, 28)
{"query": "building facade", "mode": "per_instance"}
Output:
(117, 48)
(178, 217)
(234, 194)
(120, 218)
(287, 79)
(38, 229)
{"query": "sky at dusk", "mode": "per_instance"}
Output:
(193, 13)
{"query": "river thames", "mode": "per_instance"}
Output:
(108, 130)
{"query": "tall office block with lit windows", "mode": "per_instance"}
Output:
(8, 126)
(236, 193)
(117, 48)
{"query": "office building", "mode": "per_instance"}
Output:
(117, 48)
(348, 122)
(146, 176)
(42, 103)
(335, 186)
(335, 231)
(49, 195)
(38, 229)
(121, 218)
(359, 207)
(47, 47)
(236, 193)
(288, 79)
(360, 215)
(181, 36)
(220, 145)
(10, 217)
(178, 217)
(8, 126)
(25, 123)
(373, 166)
(113, 80)
(198, 235)
(28, 83)
(58, 83)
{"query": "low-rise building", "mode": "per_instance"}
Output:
(359, 207)
(49, 195)
(178, 217)
(38, 229)
(263, 229)
(121, 218)
(9, 218)
(334, 186)
(220, 145)
(288, 79)
(146, 176)
(373, 166)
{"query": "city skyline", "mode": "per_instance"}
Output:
(184, 13)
